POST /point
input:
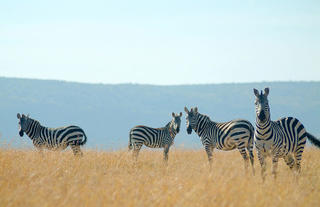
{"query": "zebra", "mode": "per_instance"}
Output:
(52, 138)
(155, 137)
(223, 136)
(284, 138)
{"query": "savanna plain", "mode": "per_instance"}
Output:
(101, 178)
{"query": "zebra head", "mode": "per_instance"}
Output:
(23, 123)
(175, 122)
(262, 105)
(192, 118)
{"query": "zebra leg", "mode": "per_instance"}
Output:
(263, 166)
(209, 150)
(250, 151)
(136, 150)
(274, 166)
(298, 157)
(76, 150)
(40, 150)
(252, 161)
(165, 154)
(244, 155)
(289, 161)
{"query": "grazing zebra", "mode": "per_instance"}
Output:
(224, 136)
(284, 138)
(52, 138)
(155, 137)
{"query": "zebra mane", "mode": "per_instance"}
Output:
(35, 123)
(205, 117)
(167, 125)
(34, 120)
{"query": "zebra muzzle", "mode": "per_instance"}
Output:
(189, 129)
(262, 116)
(21, 133)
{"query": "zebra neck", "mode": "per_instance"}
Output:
(34, 129)
(202, 124)
(171, 131)
(263, 129)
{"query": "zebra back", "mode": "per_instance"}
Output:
(151, 137)
(224, 135)
(52, 138)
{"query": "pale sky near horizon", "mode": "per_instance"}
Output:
(163, 42)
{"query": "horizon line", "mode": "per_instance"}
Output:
(152, 84)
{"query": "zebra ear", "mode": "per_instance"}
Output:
(266, 91)
(186, 109)
(18, 116)
(256, 93)
(180, 114)
(196, 109)
(173, 114)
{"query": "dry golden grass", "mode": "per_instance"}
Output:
(28, 178)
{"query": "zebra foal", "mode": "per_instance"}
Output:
(284, 138)
(155, 137)
(52, 138)
(223, 136)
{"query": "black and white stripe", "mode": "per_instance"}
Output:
(284, 138)
(224, 136)
(155, 137)
(52, 138)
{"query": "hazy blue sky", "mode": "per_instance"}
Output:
(163, 42)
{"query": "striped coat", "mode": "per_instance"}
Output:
(155, 137)
(235, 134)
(52, 138)
(284, 138)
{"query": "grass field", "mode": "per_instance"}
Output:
(28, 178)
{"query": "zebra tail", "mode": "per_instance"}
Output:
(130, 146)
(251, 140)
(313, 140)
(85, 139)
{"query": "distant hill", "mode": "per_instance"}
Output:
(107, 112)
